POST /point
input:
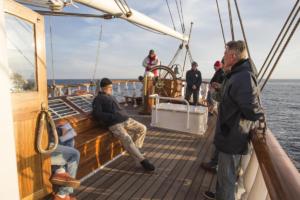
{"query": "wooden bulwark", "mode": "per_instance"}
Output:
(280, 174)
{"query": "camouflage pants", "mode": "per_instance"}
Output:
(131, 134)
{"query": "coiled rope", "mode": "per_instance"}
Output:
(45, 119)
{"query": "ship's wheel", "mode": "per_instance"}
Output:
(165, 83)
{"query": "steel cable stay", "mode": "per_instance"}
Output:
(265, 67)
(253, 67)
(171, 15)
(97, 54)
(180, 17)
(277, 39)
(123, 6)
(221, 23)
(51, 50)
(279, 45)
(281, 52)
(230, 19)
(181, 11)
(187, 49)
(147, 29)
(176, 55)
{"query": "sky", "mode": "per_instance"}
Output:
(124, 46)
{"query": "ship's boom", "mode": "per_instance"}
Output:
(110, 7)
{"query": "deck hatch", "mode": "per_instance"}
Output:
(60, 109)
(83, 102)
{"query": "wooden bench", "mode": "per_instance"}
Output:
(96, 144)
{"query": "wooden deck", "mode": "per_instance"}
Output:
(178, 175)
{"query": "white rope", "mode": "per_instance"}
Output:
(98, 53)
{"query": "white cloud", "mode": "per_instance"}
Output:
(124, 46)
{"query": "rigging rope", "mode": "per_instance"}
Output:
(245, 38)
(180, 1)
(230, 19)
(171, 15)
(180, 18)
(98, 53)
(51, 50)
(278, 46)
(123, 6)
(222, 29)
(187, 49)
(280, 54)
(277, 39)
(147, 29)
(129, 13)
(176, 55)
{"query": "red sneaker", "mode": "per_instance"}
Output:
(64, 179)
(67, 197)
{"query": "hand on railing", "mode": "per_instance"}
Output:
(259, 128)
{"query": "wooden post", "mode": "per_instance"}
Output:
(148, 90)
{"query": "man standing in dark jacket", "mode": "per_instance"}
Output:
(193, 81)
(216, 79)
(131, 133)
(238, 109)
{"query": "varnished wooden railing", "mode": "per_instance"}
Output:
(57, 89)
(281, 177)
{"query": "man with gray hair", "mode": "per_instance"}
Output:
(238, 109)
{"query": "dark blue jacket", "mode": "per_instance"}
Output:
(193, 77)
(218, 76)
(239, 107)
(107, 110)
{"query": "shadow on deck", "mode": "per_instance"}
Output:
(178, 175)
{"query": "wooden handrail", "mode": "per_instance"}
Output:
(281, 177)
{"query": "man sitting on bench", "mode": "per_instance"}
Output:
(131, 133)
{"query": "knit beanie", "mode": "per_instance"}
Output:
(105, 82)
(218, 64)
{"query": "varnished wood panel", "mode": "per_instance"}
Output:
(33, 168)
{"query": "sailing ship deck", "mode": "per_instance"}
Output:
(178, 175)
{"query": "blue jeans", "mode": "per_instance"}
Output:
(67, 157)
(228, 165)
(215, 158)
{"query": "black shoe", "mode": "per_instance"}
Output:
(209, 167)
(147, 165)
(209, 195)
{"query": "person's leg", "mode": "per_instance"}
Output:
(120, 132)
(137, 131)
(215, 157)
(226, 176)
(196, 97)
(66, 156)
(69, 157)
(212, 165)
(188, 94)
